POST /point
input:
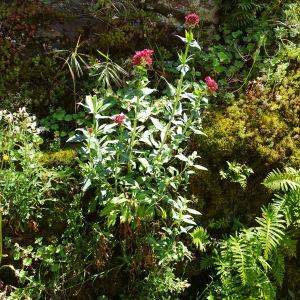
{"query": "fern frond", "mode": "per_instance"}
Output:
(200, 238)
(271, 229)
(278, 267)
(207, 262)
(289, 246)
(289, 204)
(289, 179)
(239, 253)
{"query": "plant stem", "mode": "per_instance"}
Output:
(177, 99)
(133, 136)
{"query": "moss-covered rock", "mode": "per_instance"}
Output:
(265, 122)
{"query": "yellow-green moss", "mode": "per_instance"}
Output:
(265, 121)
(62, 157)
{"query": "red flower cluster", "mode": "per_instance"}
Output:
(119, 119)
(211, 84)
(143, 57)
(192, 20)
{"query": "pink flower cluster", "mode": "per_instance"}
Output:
(143, 57)
(119, 119)
(211, 84)
(192, 20)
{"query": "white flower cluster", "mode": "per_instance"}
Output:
(19, 121)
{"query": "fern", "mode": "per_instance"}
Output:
(207, 262)
(239, 254)
(278, 267)
(289, 204)
(251, 264)
(240, 12)
(271, 230)
(200, 238)
(289, 179)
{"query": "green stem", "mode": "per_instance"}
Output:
(74, 95)
(133, 136)
(118, 158)
(177, 100)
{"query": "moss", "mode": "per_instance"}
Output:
(265, 121)
(64, 157)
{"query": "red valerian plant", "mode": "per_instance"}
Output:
(211, 84)
(192, 20)
(143, 57)
(138, 170)
(119, 119)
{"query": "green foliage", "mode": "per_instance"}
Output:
(239, 13)
(107, 72)
(18, 83)
(200, 238)
(161, 284)
(20, 163)
(251, 263)
(265, 122)
(116, 222)
(236, 173)
(271, 229)
(138, 164)
(287, 180)
(63, 124)
(59, 158)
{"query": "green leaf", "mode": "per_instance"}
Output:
(146, 138)
(68, 118)
(27, 261)
(200, 238)
(77, 138)
(59, 115)
(271, 229)
(194, 44)
(144, 162)
(54, 127)
(193, 211)
(182, 38)
(199, 167)
(157, 124)
(183, 68)
(89, 104)
(182, 157)
(147, 91)
(223, 57)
